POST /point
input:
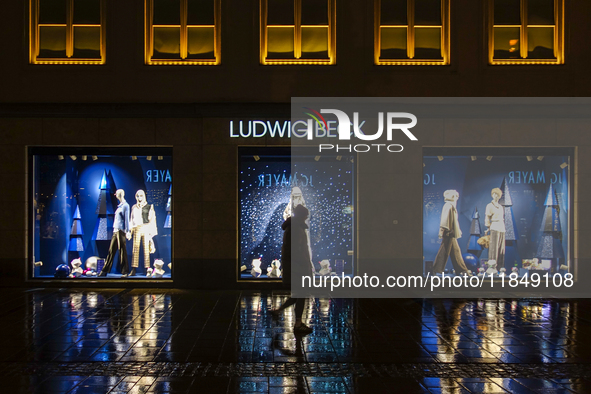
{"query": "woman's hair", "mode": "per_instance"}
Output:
(496, 190)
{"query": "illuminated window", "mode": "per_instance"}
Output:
(183, 32)
(526, 31)
(67, 31)
(411, 32)
(298, 31)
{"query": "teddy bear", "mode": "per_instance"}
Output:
(492, 267)
(481, 271)
(325, 268)
(502, 271)
(157, 271)
(77, 270)
(274, 270)
(256, 268)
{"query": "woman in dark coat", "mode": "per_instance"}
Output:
(295, 258)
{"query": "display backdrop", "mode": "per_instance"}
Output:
(266, 180)
(74, 203)
(536, 214)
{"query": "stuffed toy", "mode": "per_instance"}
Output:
(90, 263)
(515, 270)
(481, 271)
(274, 270)
(256, 268)
(502, 271)
(484, 241)
(158, 268)
(492, 267)
(325, 268)
(77, 270)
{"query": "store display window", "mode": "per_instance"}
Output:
(100, 213)
(497, 211)
(271, 183)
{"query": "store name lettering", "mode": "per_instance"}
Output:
(529, 177)
(270, 180)
(299, 129)
(154, 176)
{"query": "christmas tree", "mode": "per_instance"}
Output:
(76, 234)
(550, 243)
(168, 221)
(103, 230)
(511, 236)
(475, 234)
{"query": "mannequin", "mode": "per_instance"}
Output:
(297, 198)
(143, 227)
(495, 221)
(449, 232)
(121, 230)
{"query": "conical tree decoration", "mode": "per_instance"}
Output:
(103, 230)
(76, 233)
(507, 203)
(168, 221)
(550, 244)
(475, 233)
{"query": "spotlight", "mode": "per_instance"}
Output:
(73, 157)
(563, 267)
(38, 263)
(94, 158)
(489, 158)
(84, 157)
(316, 158)
(160, 157)
(148, 158)
(60, 157)
(540, 158)
(339, 158)
(473, 158)
(529, 158)
(423, 164)
(564, 165)
(440, 158)
(256, 157)
(133, 157)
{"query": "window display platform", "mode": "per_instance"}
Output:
(109, 276)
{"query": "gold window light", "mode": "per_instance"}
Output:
(298, 32)
(526, 31)
(411, 32)
(182, 32)
(67, 32)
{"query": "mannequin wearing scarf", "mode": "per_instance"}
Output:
(495, 221)
(449, 232)
(143, 227)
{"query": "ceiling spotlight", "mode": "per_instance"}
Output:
(133, 157)
(38, 263)
(256, 157)
(564, 165)
(440, 158)
(339, 158)
(473, 158)
(529, 158)
(84, 157)
(148, 158)
(540, 158)
(60, 157)
(489, 158)
(423, 164)
(160, 157)
(316, 158)
(95, 158)
(73, 157)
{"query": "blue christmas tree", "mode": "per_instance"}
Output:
(475, 234)
(550, 243)
(76, 234)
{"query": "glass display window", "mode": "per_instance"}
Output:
(100, 213)
(497, 211)
(271, 182)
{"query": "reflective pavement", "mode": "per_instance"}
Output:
(172, 341)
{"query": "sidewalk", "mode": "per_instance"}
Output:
(173, 341)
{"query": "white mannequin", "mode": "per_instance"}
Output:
(495, 221)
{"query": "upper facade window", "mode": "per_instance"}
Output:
(526, 31)
(298, 31)
(67, 32)
(411, 32)
(183, 32)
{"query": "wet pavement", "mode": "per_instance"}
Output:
(172, 341)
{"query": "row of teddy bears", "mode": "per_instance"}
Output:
(76, 270)
(274, 270)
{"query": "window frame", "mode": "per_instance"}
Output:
(297, 36)
(410, 37)
(149, 41)
(34, 36)
(523, 47)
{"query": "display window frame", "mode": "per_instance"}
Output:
(93, 154)
(533, 154)
(286, 153)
